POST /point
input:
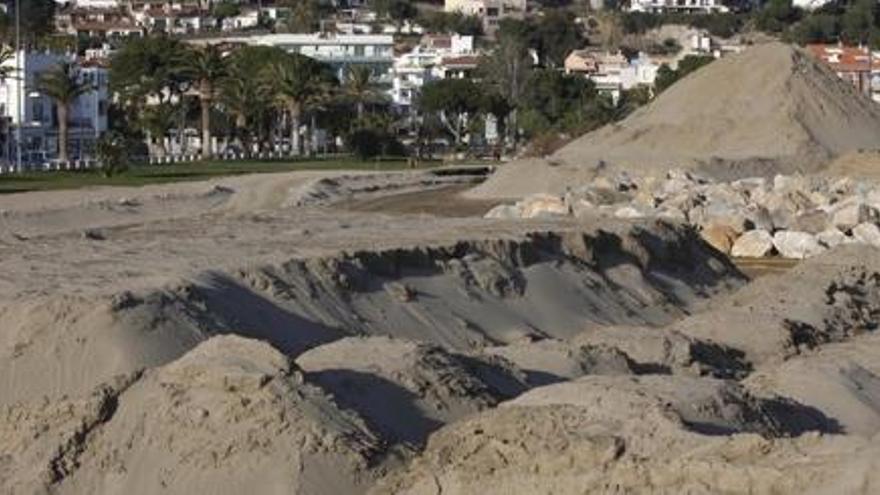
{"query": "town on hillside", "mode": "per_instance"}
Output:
(169, 81)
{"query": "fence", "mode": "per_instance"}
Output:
(90, 163)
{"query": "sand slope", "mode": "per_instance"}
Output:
(772, 109)
(231, 416)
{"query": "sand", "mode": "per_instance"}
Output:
(263, 334)
(771, 109)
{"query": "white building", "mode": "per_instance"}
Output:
(339, 51)
(23, 107)
(664, 6)
(490, 11)
(430, 61)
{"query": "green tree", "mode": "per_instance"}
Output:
(224, 10)
(37, 20)
(817, 28)
(454, 101)
(148, 70)
(666, 77)
(205, 68)
(506, 70)
(305, 16)
(244, 96)
(858, 24)
(555, 35)
(293, 82)
(777, 15)
(63, 84)
(111, 151)
(359, 86)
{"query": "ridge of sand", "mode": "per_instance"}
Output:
(771, 109)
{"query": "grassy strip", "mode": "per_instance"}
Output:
(159, 174)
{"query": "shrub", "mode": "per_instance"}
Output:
(111, 151)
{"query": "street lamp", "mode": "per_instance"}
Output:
(20, 70)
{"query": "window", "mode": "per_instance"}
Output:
(359, 50)
(37, 111)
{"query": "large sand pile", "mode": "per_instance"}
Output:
(407, 390)
(772, 109)
(230, 416)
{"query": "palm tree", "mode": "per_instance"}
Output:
(293, 82)
(63, 85)
(205, 67)
(6, 72)
(359, 87)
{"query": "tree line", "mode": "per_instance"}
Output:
(252, 96)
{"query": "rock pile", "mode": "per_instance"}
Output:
(792, 216)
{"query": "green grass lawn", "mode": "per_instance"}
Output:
(140, 175)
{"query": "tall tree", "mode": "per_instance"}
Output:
(507, 69)
(359, 87)
(145, 72)
(555, 35)
(63, 84)
(294, 81)
(205, 67)
(454, 101)
(37, 20)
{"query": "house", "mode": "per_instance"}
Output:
(24, 108)
(680, 6)
(855, 64)
(248, 18)
(611, 72)
(436, 57)
(96, 22)
(491, 12)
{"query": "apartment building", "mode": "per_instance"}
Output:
(24, 109)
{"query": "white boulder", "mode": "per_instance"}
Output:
(832, 237)
(753, 244)
(867, 233)
(796, 245)
(504, 212)
(542, 205)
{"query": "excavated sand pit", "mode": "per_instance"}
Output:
(260, 334)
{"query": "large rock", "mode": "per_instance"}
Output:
(795, 244)
(832, 237)
(720, 237)
(813, 221)
(867, 233)
(505, 212)
(753, 244)
(757, 217)
(543, 205)
(628, 212)
(851, 213)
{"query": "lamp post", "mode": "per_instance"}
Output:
(19, 93)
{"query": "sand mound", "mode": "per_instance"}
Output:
(772, 109)
(656, 434)
(406, 390)
(464, 295)
(842, 380)
(830, 298)
(231, 416)
(549, 361)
